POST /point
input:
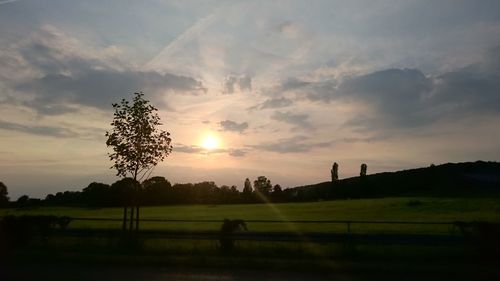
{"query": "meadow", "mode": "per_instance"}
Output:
(386, 209)
(270, 255)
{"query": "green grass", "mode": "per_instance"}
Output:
(387, 209)
(300, 256)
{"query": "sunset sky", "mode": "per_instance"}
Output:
(275, 88)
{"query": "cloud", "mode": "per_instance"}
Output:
(188, 149)
(237, 152)
(398, 98)
(228, 125)
(244, 83)
(397, 95)
(53, 131)
(278, 102)
(408, 98)
(299, 90)
(295, 144)
(100, 88)
(64, 78)
(194, 149)
(38, 130)
(297, 120)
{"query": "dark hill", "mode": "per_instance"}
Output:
(452, 179)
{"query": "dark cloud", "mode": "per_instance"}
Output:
(396, 94)
(99, 88)
(297, 120)
(401, 98)
(228, 125)
(407, 98)
(467, 91)
(68, 79)
(244, 83)
(296, 144)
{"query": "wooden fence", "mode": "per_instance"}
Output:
(453, 237)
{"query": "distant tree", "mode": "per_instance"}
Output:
(138, 145)
(362, 172)
(97, 194)
(22, 201)
(335, 172)
(4, 200)
(263, 187)
(277, 194)
(247, 191)
(157, 191)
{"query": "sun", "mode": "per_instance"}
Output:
(210, 142)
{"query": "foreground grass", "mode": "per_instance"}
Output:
(386, 209)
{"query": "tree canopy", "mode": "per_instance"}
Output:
(137, 142)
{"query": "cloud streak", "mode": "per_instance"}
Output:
(297, 144)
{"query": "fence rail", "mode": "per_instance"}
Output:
(279, 221)
(347, 223)
(432, 238)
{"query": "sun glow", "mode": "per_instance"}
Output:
(210, 142)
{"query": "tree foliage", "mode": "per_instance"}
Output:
(4, 200)
(262, 186)
(138, 144)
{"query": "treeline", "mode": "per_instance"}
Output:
(159, 191)
(461, 179)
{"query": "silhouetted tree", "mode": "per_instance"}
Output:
(157, 191)
(247, 191)
(22, 201)
(4, 200)
(138, 145)
(277, 194)
(362, 172)
(97, 194)
(263, 187)
(335, 172)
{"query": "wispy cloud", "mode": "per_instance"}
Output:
(297, 144)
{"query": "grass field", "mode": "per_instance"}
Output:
(387, 209)
(270, 255)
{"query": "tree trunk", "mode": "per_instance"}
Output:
(124, 226)
(137, 219)
(131, 227)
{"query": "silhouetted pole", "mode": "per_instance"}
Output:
(124, 226)
(137, 219)
(131, 226)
